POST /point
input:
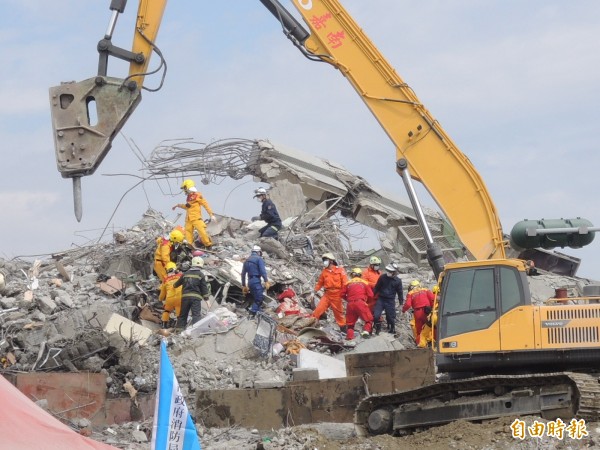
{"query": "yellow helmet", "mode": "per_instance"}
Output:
(415, 283)
(356, 272)
(170, 266)
(187, 184)
(374, 260)
(436, 289)
(176, 236)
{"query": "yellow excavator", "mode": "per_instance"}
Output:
(497, 353)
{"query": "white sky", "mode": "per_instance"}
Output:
(514, 83)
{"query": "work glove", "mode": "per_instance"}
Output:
(255, 218)
(267, 285)
(206, 298)
(213, 219)
(245, 290)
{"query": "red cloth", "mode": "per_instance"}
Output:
(288, 293)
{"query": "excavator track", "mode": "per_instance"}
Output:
(549, 395)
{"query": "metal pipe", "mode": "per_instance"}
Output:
(111, 25)
(402, 165)
(435, 256)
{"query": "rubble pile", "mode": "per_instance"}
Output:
(95, 309)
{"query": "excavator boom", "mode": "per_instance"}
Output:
(433, 158)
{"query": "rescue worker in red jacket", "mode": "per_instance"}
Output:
(371, 274)
(170, 295)
(421, 301)
(333, 278)
(193, 219)
(356, 293)
(162, 256)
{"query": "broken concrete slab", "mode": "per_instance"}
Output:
(327, 366)
(130, 331)
(45, 304)
(111, 286)
(382, 342)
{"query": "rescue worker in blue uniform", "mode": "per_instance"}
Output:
(253, 272)
(269, 214)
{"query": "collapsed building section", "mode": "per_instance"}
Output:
(308, 189)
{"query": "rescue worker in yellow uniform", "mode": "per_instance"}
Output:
(421, 301)
(193, 205)
(162, 256)
(427, 336)
(170, 295)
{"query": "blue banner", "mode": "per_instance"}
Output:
(173, 427)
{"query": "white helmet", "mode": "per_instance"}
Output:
(197, 261)
(260, 191)
(256, 248)
(391, 268)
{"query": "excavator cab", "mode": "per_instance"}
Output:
(488, 324)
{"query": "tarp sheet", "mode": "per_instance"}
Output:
(26, 426)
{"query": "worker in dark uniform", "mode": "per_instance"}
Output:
(388, 286)
(253, 272)
(195, 289)
(269, 214)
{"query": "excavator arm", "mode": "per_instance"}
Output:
(432, 157)
(422, 147)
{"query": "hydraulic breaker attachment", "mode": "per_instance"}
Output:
(86, 116)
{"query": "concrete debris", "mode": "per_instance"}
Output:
(130, 331)
(95, 311)
(326, 366)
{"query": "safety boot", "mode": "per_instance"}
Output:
(377, 327)
(343, 328)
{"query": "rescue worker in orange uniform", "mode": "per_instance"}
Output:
(421, 301)
(169, 294)
(356, 292)
(193, 220)
(333, 278)
(162, 256)
(371, 274)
